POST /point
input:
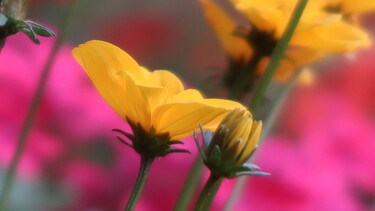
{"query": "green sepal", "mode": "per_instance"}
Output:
(196, 139)
(128, 135)
(206, 135)
(236, 169)
(27, 29)
(172, 142)
(40, 30)
(124, 142)
(214, 157)
(173, 150)
(252, 166)
(252, 173)
(149, 143)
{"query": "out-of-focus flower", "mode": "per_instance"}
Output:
(249, 47)
(323, 146)
(154, 103)
(234, 141)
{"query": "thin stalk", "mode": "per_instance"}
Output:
(190, 185)
(33, 109)
(208, 193)
(279, 101)
(140, 183)
(277, 55)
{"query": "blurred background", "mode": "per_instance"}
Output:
(321, 151)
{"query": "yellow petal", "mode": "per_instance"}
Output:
(225, 26)
(251, 143)
(270, 20)
(181, 118)
(187, 95)
(356, 7)
(336, 37)
(168, 80)
(115, 59)
(136, 102)
(103, 73)
(141, 100)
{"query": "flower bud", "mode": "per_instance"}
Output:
(233, 143)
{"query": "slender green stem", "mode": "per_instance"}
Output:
(279, 101)
(208, 193)
(29, 120)
(139, 185)
(190, 185)
(277, 55)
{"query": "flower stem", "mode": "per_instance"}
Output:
(29, 120)
(144, 169)
(279, 101)
(208, 193)
(191, 184)
(277, 55)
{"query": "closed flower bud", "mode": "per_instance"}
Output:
(233, 143)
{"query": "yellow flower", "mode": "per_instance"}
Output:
(234, 141)
(318, 33)
(154, 100)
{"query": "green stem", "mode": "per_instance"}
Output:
(208, 193)
(279, 101)
(140, 183)
(190, 185)
(277, 55)
(29, 120)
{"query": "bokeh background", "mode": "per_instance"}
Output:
(321, 151)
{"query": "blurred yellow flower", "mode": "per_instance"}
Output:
(318, 33)
(155, 100)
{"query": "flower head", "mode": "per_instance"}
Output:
(233, 143)
(155, 104)
(318, 33)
